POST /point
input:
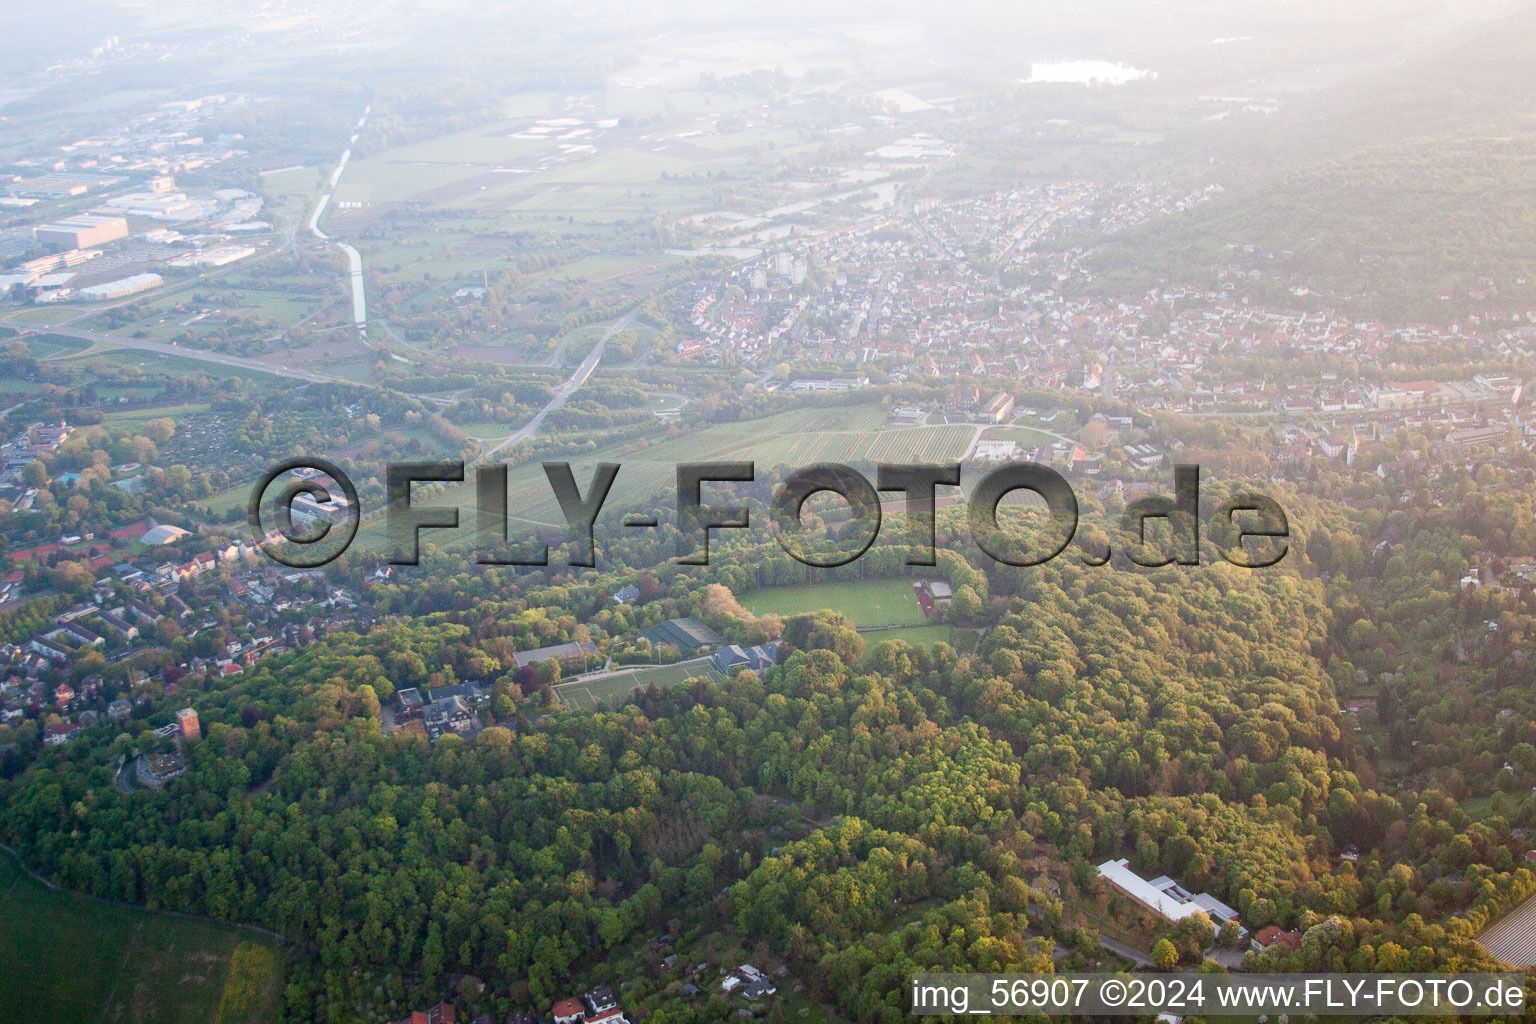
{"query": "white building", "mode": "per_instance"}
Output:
(121, 288)
(1163, 895)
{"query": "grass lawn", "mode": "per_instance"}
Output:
(69, 959)
(865, 602)
(140, 417)
(1477, 807)
(1023, 435)
(45, 346)
(236, 497)
(610, 690)
(34, 315)
(913, 635)
(489, 431)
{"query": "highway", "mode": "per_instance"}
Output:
(565, 390)
(201, 355)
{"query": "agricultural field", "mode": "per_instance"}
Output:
(647, 480)
(610, 690)
(542, 170)
(107, 359)
(293, 181)
(69, 960)
(232, 309)
(864, 602)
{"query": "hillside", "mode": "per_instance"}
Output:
(862, 806)
(1383, 196)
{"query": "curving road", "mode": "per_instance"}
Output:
(359, 301)
(201, 355)
(565, 390)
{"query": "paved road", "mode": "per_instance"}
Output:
(1137, 956)
(359, 305)
(123, 779)
(202, 355)
(565, 390)
(359, 302)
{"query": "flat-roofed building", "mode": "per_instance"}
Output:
(122, 287)
(83, 231)
(1477, 437)
(566, 654)
(1163, 896)
(686, 634)
(998, 408)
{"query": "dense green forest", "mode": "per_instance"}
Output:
(867, 810)
(925, 775)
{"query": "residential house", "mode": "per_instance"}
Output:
(757, 990)
(59, 733)
(451, 715)
(759, 659)
(442, 1013)
(48, 649)
(1273, 936)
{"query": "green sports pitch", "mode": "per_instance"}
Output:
(864, 602)
(609, 690)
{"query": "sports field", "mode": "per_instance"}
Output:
(865, 602)
(1023, 435)
(70, 960)
(610, 690)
